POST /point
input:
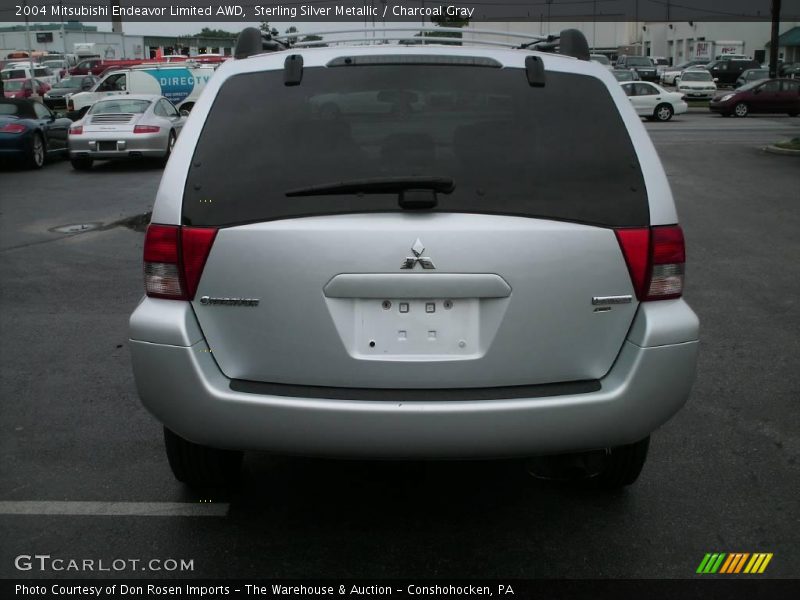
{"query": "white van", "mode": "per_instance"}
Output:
(181, 85)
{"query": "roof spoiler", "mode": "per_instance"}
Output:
(254, 41)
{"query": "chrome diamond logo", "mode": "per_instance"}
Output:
(411, 261)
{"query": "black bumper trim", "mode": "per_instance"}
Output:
(416, 395)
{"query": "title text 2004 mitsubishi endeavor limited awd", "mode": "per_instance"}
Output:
(413, 251)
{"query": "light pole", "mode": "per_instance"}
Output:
(773, 44)
(30, 50)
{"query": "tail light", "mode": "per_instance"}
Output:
(174, 258)
(12, 128)
(146, 129)
(76, 130)
(656, 258)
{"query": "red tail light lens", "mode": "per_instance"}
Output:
(13, 128)
(196, 244)
(174, 258)
(668, 259)
(656, 258)
(76, 130)
(146, 129)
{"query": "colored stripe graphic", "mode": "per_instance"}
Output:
(711, 563)
(740, 563)
(703, 563)
(727, 564)
(734, 563)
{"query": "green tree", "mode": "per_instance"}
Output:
(205, 32)
(446, 21)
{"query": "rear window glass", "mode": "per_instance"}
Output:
(559, 151)
(119, 106)
(8, 109)
(15, 74)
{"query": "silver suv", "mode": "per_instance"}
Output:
(413, 251)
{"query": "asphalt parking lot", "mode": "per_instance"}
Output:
(722, 476)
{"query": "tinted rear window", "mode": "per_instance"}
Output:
(559, 152)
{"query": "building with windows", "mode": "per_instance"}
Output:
(676, 41)
(61, 38)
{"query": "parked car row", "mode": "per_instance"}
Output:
(119, 127)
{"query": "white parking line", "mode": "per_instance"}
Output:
(103, 509)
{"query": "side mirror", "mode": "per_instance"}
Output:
(184, 113)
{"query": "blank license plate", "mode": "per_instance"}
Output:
(106, 146)
(424, 328)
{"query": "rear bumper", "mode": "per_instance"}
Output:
(14, 146)
(180, 384)
(125, 145)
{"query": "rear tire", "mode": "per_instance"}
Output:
(741, 110)
(170, 145)
(663, 112)
(38, 151)
(82, 164)
(623, 465)
(201, 466)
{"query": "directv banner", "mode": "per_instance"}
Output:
(251, 11)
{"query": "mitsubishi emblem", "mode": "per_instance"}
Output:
(411, 261)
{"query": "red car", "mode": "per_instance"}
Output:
(764, 96)
(23, 88)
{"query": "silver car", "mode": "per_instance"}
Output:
(124, 127)
(453, 272)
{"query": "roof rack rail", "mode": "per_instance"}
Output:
(570, 42)
(407, 41)
(379, 34)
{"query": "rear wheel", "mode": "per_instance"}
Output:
(741, 110)
(197, 465)
(170, 146)
(81, 164)
(36, 156)
(663, 112)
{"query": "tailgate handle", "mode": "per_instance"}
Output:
(417, 285)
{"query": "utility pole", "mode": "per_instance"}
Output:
(30, 50)
(63, 34)
(773, 44)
